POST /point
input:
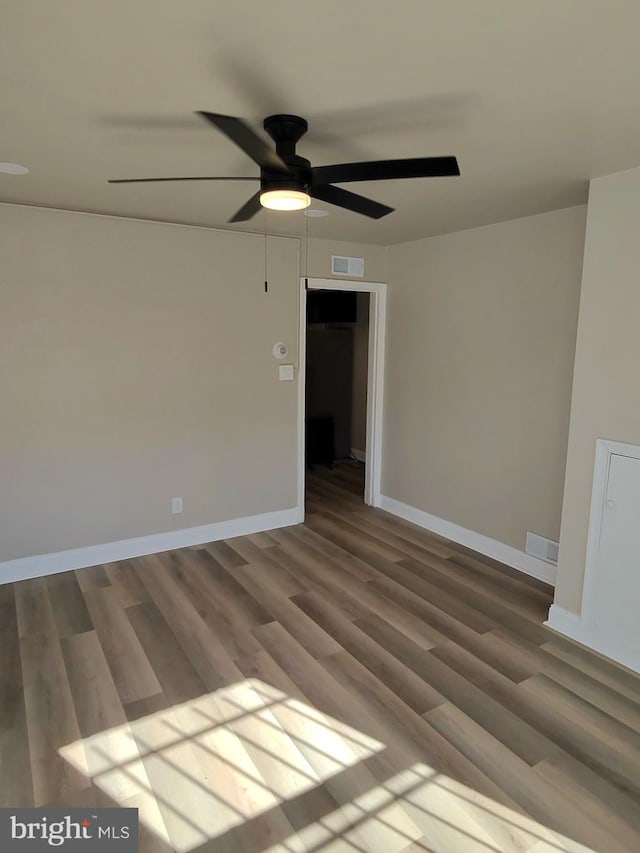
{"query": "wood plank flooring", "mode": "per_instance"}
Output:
(350, 684)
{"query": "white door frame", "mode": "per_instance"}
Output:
(375, 379)
(583, 627)
(605, 449)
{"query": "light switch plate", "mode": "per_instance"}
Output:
(285, 372)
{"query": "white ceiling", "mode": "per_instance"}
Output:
(533, 96)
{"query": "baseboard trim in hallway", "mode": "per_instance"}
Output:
(470, 539)
(37, 566)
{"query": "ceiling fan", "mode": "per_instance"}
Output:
(289, 182)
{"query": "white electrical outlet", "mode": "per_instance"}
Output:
(176, 505)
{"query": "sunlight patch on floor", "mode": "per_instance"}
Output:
(251, 767)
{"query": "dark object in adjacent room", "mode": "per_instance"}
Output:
(331, 306)
(320, 441)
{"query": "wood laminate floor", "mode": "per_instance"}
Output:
(350, 684)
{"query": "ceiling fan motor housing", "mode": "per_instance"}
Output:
(286, 131)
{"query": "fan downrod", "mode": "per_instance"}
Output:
(286, 131)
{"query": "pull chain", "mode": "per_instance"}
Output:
(266, 281)
(306, 250)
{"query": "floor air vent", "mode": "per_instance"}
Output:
(543, 549)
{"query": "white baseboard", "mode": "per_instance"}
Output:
(565, 622)
(126, 549)
(360, 455)
(572, 626)
(470, 539)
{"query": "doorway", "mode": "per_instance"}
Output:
(341, 382)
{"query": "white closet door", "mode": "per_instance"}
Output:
(616, 604)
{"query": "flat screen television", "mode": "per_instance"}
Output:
(331, 306)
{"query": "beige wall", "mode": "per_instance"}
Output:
(135, 366)
(606, 396)
(360, 375)
(480, 345)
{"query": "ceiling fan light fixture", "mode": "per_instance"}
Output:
(285, 199)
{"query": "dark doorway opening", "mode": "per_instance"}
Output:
(337, 343)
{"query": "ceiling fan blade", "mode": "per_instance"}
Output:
(385, 170)
(246, 138)
(350, 201)
(248, 210)
(203, 178)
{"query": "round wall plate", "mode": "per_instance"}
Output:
(280, 351)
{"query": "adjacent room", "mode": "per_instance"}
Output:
(319, 426)
(336, 379)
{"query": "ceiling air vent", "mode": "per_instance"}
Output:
(353, 267)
